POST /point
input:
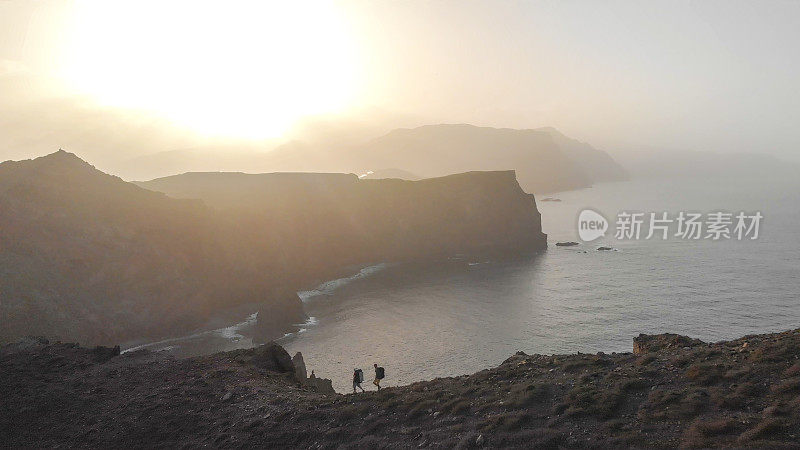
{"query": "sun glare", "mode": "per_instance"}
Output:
(232, 68)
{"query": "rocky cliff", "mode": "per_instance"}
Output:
(308, 226)
(87, 256)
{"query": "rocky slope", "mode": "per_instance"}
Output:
(596, 164)
(89, 257)
(672, 392)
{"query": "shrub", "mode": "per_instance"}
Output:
(421, 409)
(457, 406)
(705, 374)
(523, 397)
(505, 422)
(673, 404)
(592, 400)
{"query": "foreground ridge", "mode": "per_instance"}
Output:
(672, 391)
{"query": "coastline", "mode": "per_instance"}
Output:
(243, 330)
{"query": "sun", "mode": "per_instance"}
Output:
(221, 68)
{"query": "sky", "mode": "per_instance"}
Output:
(117, 79)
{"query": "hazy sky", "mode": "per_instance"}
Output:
(145, 76)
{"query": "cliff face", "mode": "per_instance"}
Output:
(307, 226)
(86, 256)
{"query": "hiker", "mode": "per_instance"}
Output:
(379, 374)
(358, 377)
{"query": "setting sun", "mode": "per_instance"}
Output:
(242, 69)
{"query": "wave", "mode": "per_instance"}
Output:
(230, 333)
(328, 287)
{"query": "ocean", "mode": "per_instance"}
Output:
(422, 321)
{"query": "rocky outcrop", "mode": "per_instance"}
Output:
(321, 385)
(273, 357)
(646, 343)
(299, 367)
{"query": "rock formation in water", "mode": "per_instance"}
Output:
(272, 322)
(89, 257)
(674, 392)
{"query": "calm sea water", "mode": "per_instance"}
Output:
(459, 316)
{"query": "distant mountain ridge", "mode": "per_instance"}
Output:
(597, 164)
(87, 256)
(544, 159)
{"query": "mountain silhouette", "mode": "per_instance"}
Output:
(89, 257)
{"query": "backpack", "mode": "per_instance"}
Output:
(379, 373)
(360, 376)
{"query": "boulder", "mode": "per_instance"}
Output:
(272, 356)
(299, 367)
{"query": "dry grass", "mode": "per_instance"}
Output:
(766, 428)
(786, 386)
(703, 433)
